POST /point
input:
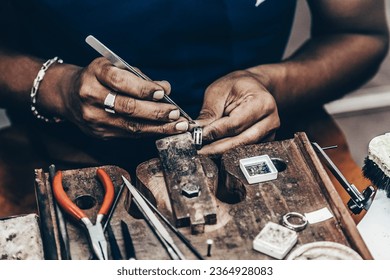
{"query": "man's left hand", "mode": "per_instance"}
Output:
(237, 110)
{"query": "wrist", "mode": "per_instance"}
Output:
(274, 79)
(55, 88)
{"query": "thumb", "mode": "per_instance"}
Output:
(206, 116)
(212, 109)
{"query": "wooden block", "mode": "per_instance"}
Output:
(192, 202)
(20, 238)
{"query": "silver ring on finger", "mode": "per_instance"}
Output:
(109, 102)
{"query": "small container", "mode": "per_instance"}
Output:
(275, 240)
(258, 169)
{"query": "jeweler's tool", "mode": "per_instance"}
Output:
(209, 244)
(377, 163)
(95, 231)
(120, 63)
(129, 246)
(174, 229)
(65, 249)
(359, 201)
(114, 204)
(154, 223)
(115, 251)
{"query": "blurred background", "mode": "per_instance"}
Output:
(362, 114)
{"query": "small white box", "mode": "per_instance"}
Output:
(258, 169)
(275, 240)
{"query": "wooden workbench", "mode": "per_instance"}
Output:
(242, 209)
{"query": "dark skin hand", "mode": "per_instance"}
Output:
(248, 114)
(139, 111)
(79, 95)
(346, 48)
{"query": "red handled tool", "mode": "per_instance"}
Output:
(95, 231)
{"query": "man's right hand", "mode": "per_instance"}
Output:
(138, 107)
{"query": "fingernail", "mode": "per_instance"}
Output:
(158, 94)
(174, 115)
(182, 126)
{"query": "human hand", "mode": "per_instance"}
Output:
(138, 110)
(237, 110)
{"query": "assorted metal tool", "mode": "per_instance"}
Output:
(120, 63)
(359, 201)
(113, 207)
(129, 246)
(65, 250)
(154, 223)
(95, 231)
(115, 251)
(174, 229)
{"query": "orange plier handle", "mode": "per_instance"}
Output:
(71, 208)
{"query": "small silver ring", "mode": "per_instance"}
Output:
(295, 227)
(109, 102)
(197, 135)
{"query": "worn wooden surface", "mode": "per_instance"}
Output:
(83, 182)
(182, 168)
(242, 209)
(20, 238)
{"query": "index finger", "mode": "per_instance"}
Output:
(123, 81)
(239, 119)
(261, 131)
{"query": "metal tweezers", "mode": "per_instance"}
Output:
(120, 63)
(147, 209)
(154, 223)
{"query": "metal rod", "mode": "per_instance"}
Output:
(174, 229)
(114, 204)
(115, 251)
(329, 147)
(171, 253)
(154, 222)
(354, 193)
(129, 246)
(65, 252)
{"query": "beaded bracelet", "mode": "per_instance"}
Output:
(34, 91)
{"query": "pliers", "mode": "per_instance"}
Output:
(95, 231)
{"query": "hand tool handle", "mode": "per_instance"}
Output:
(109, 191)
(63, 200)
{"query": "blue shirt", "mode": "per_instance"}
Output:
(188, 43)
